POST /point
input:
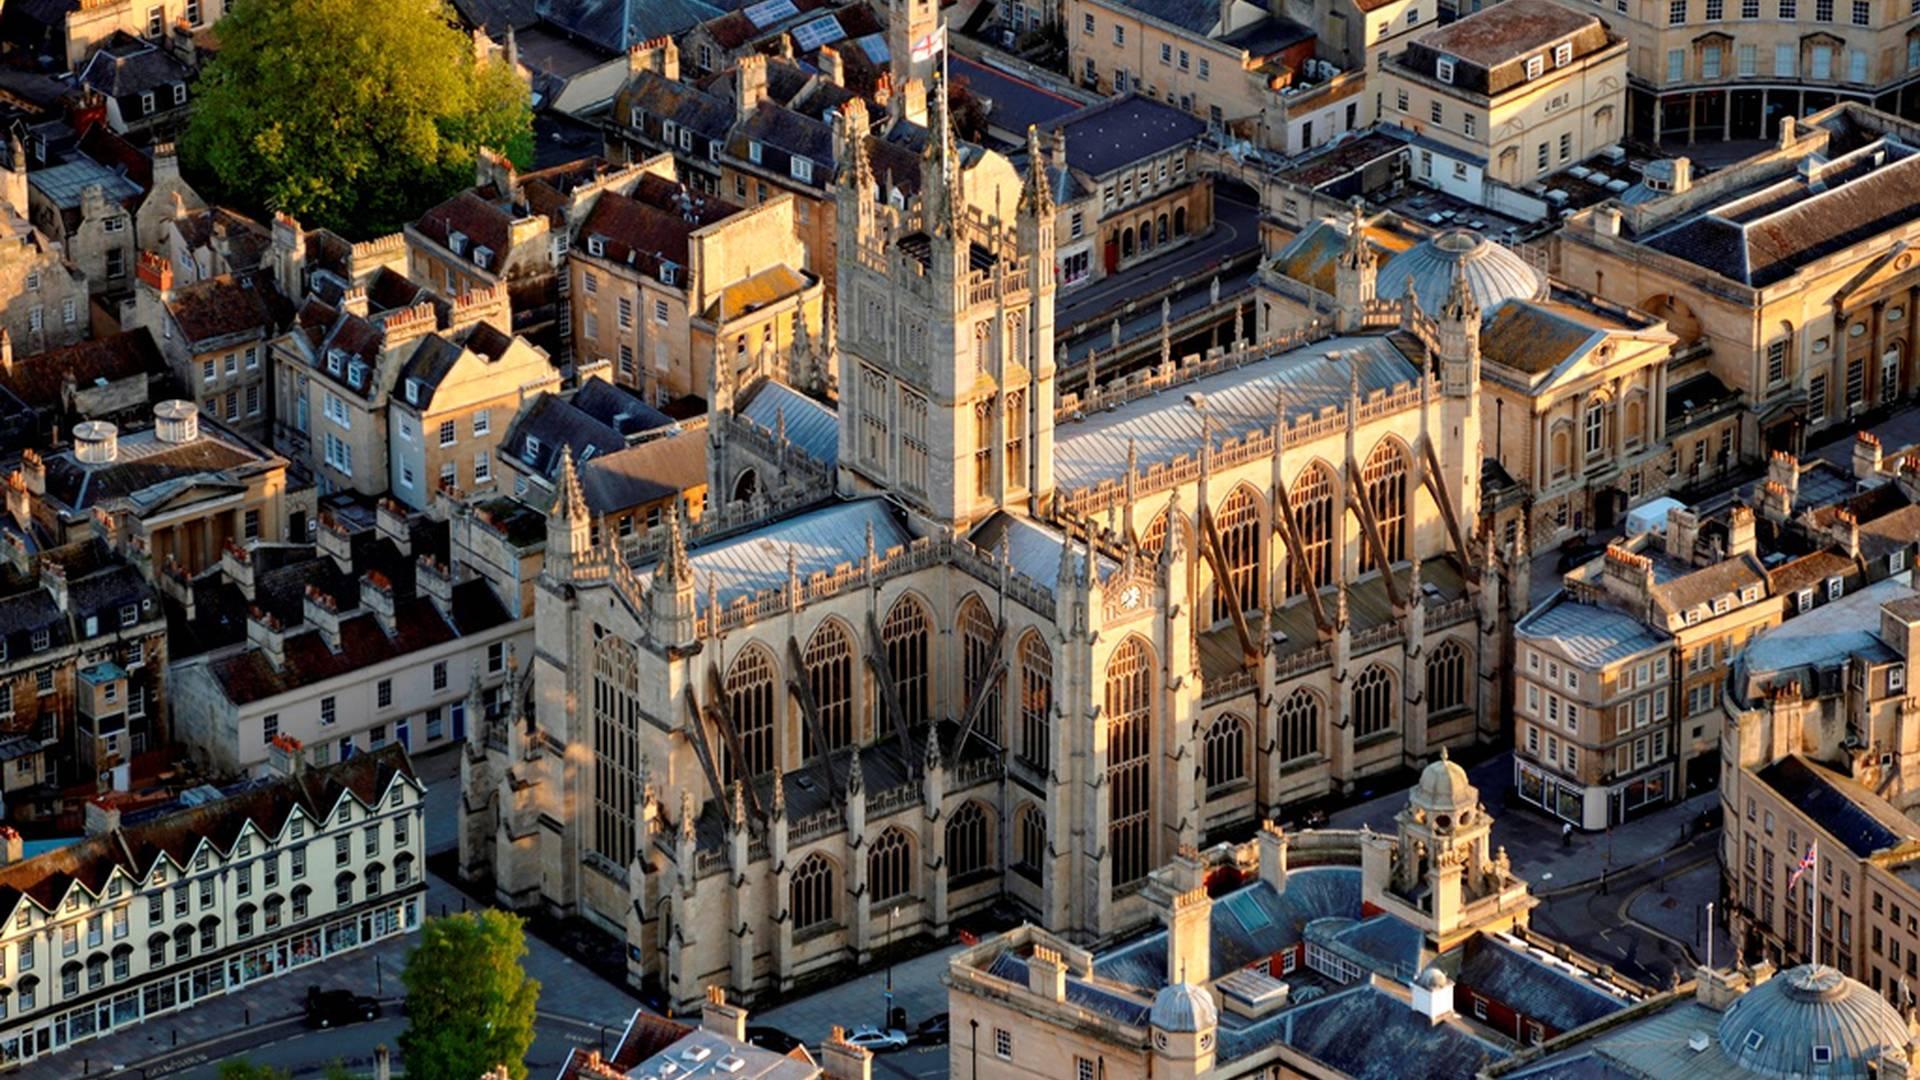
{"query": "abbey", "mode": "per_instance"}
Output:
(995, 643)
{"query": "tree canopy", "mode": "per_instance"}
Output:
(350, 114)
(470, 1004)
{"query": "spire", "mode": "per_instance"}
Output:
(1460, 305)
(942, 173)
(674, 564)
(1036, 196)
(569, 504)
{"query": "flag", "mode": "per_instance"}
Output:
(1806, 864)
(927, 46)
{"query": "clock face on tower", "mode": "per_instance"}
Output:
(1130, 599)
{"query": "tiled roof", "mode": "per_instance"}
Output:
(1846, 809)
(707, 114)
(1808, 570)
(1693, 586)
(1251, 923)
(618, 407)
(1194, 16)
(144, 462)
(247, 241)
(642, 234)
(482, 224)
(781, 127)
(1494, 46)
(1366, 1033)
(37, 380)
(551, 422)
(227, 305)
(136, 848)
(248, 676)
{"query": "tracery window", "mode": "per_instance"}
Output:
(1312, 502)
(969, 841)
(979, 646)
(1129, 709)
(1030, 839)
(750, 703)
(1447, 677)
(810, 892)
(616, 746)
(1386, 481)
(1372, 702)
(904, 635)
(829, 663)
(1299, 724)
(1036, 701)
(890, 865)
(1226, 751)
(1238, 524)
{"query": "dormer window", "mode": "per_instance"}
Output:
(179, 93)
(668, 130)
(413, 391)
(333, 361)
(597, 245)
(1443, 69)
(1722, 606)
(1563, 54)
(1836, 585)
(637, 116)
(356, 374)
(129, 614)
(1896, 678)
(457, 241)
(532, 451)
(753, 151)
(482, 256)
(802, 169)
(1536, 66)
(669, 274)
(686, 139)
(42, 638)
(713, 151)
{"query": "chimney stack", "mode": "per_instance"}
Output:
(1273, 844)
(841, 1060)
(1866, 456)
(376, 595)
(102, 817)
(1190, 938)
(1741, 538)
(322, 613)
(749, 85)
(722, 1019)
(1047, 974)
(285, 755)
(1683, 534)
(12, 847)
(1432, 995)
(265, 633)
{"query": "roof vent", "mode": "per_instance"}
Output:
(696, 1053)
(95, 442)
(176, 421)
(1697, 1041)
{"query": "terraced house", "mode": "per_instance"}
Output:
(142, 918)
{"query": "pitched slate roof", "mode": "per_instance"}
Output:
(1367, 1033)
(551, 422)
(135, 848)
(1016, 103)
(1194, 16)
(1767, 232)
(1854, 815)
(481, 222)
(621, 24)
(1492, 968)
(1593, 635)
(618, 407)
(127, 65)
(247, 240)
(144, 463)
(710, 115)
(645, 473)
(644, 232)
(1117, 132)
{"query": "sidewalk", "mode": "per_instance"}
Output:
(1533, 840)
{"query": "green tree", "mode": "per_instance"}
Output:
(242, 1069)
(351, 114)
(469, 1002)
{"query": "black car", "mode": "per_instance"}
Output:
(338, 1008)
(932, 1031)
(771, 1038)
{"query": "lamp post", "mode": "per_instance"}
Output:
(886, 1021)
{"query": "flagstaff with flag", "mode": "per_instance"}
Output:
(1806, 864)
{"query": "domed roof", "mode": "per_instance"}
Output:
(1434, 979)
(1810, 1020)
(1426, 270)
(1183, 1007)
(1444, 785)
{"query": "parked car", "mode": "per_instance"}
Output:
(338, 1008)
(877, 1040)
(933, 1031)
(771, 1038)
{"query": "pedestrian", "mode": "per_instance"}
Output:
(1566, 834)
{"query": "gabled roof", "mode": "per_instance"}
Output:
(652, 228)
(621, 24)
(707, 114)
(480, 222)
(812, 426)
(144, 465)
(177, 834)
(645, 473)
(1491, 967)
(549, 423)
(752, 562)
(1845, 808)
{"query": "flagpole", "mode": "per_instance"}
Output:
(1815, 886)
